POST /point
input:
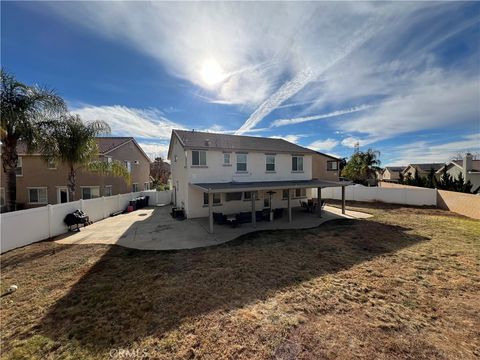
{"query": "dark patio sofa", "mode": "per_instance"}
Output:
(219, 218)
(244, 217)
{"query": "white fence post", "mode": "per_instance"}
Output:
(81, 204)
(118, 202)
(50, 220)
(104, 208)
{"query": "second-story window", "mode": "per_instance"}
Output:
(270, 163)
(226, 159)
(199, 158)
(297, 163)
(19, 168)
(241, 162)
(332, 166)
(128, 165)
(51, 164)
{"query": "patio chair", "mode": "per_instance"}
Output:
(277, 213)
(244, 217)
(219, 218)
(304, 205)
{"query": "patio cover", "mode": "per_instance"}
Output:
(264, 185)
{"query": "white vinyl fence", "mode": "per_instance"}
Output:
(23, 227)
(406, 196)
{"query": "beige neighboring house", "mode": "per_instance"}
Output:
(325, 167)
(391, 173)
(469, 168)
(422, 169)
(40, 183)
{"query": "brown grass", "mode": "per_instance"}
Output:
(403, 284)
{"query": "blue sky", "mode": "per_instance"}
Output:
(402, 78)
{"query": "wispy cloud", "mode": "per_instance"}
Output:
(125, 121)
(299, 120)
(323, 145)
(429, 151)
(292, 138)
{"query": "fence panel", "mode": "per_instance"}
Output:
(23, 227)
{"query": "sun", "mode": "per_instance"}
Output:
(212, 73)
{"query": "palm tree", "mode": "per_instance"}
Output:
(25, 111)
(362, 166)
(73, 143)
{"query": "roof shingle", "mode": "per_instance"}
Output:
(206, 140)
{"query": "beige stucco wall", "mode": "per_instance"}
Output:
(319, 168)
(36, 174)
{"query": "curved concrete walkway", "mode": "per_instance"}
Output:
(154, 229)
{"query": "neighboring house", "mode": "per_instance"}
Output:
(422, 169)
(391, 173)
(325, 167)
(469, 168)
(224, 171)
(40, 182)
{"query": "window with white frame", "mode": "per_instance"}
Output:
(2, 196)
(217, 199)
(51, 164)
(19, 168)
(332, 165)
(270, 163)
(300, 193)
(109, 160)
(134, 187)
(199, 158)
(297, 163)
(247, 195)
(226, 159)
(241, 162)
(285, 194)
(146, 186)
(37, 195)
(107, 191)
(90, 192)
(128, 165)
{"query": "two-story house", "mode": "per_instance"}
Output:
(41, 182)
(234, 173)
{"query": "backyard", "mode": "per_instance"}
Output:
(402, 284)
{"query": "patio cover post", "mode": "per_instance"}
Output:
(343, 199)
(319, 201)
(252, 195)
(289, 207)
(210, 211)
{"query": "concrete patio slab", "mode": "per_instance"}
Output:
(154, 229)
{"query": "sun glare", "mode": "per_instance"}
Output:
(212, 73)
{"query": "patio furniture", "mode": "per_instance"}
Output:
(259, 216)
(232, 220)
(219, 218)
(277, 213)
(304, 205)
(244, 217)
(76, 218)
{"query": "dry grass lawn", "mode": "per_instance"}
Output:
(404, 284)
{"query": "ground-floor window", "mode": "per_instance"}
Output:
(217, 199)
(300, 193)
(90, 192)
(146, 186)
(285, 194)
(134, 187)
(2, 196)
(233, 196)
(107, 191)
(247, 195)
(37, 195)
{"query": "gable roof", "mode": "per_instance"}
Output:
(329, 156)
(207, 140)
(459, 163)
(395, 168)
(106, 144)
(425, 167)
